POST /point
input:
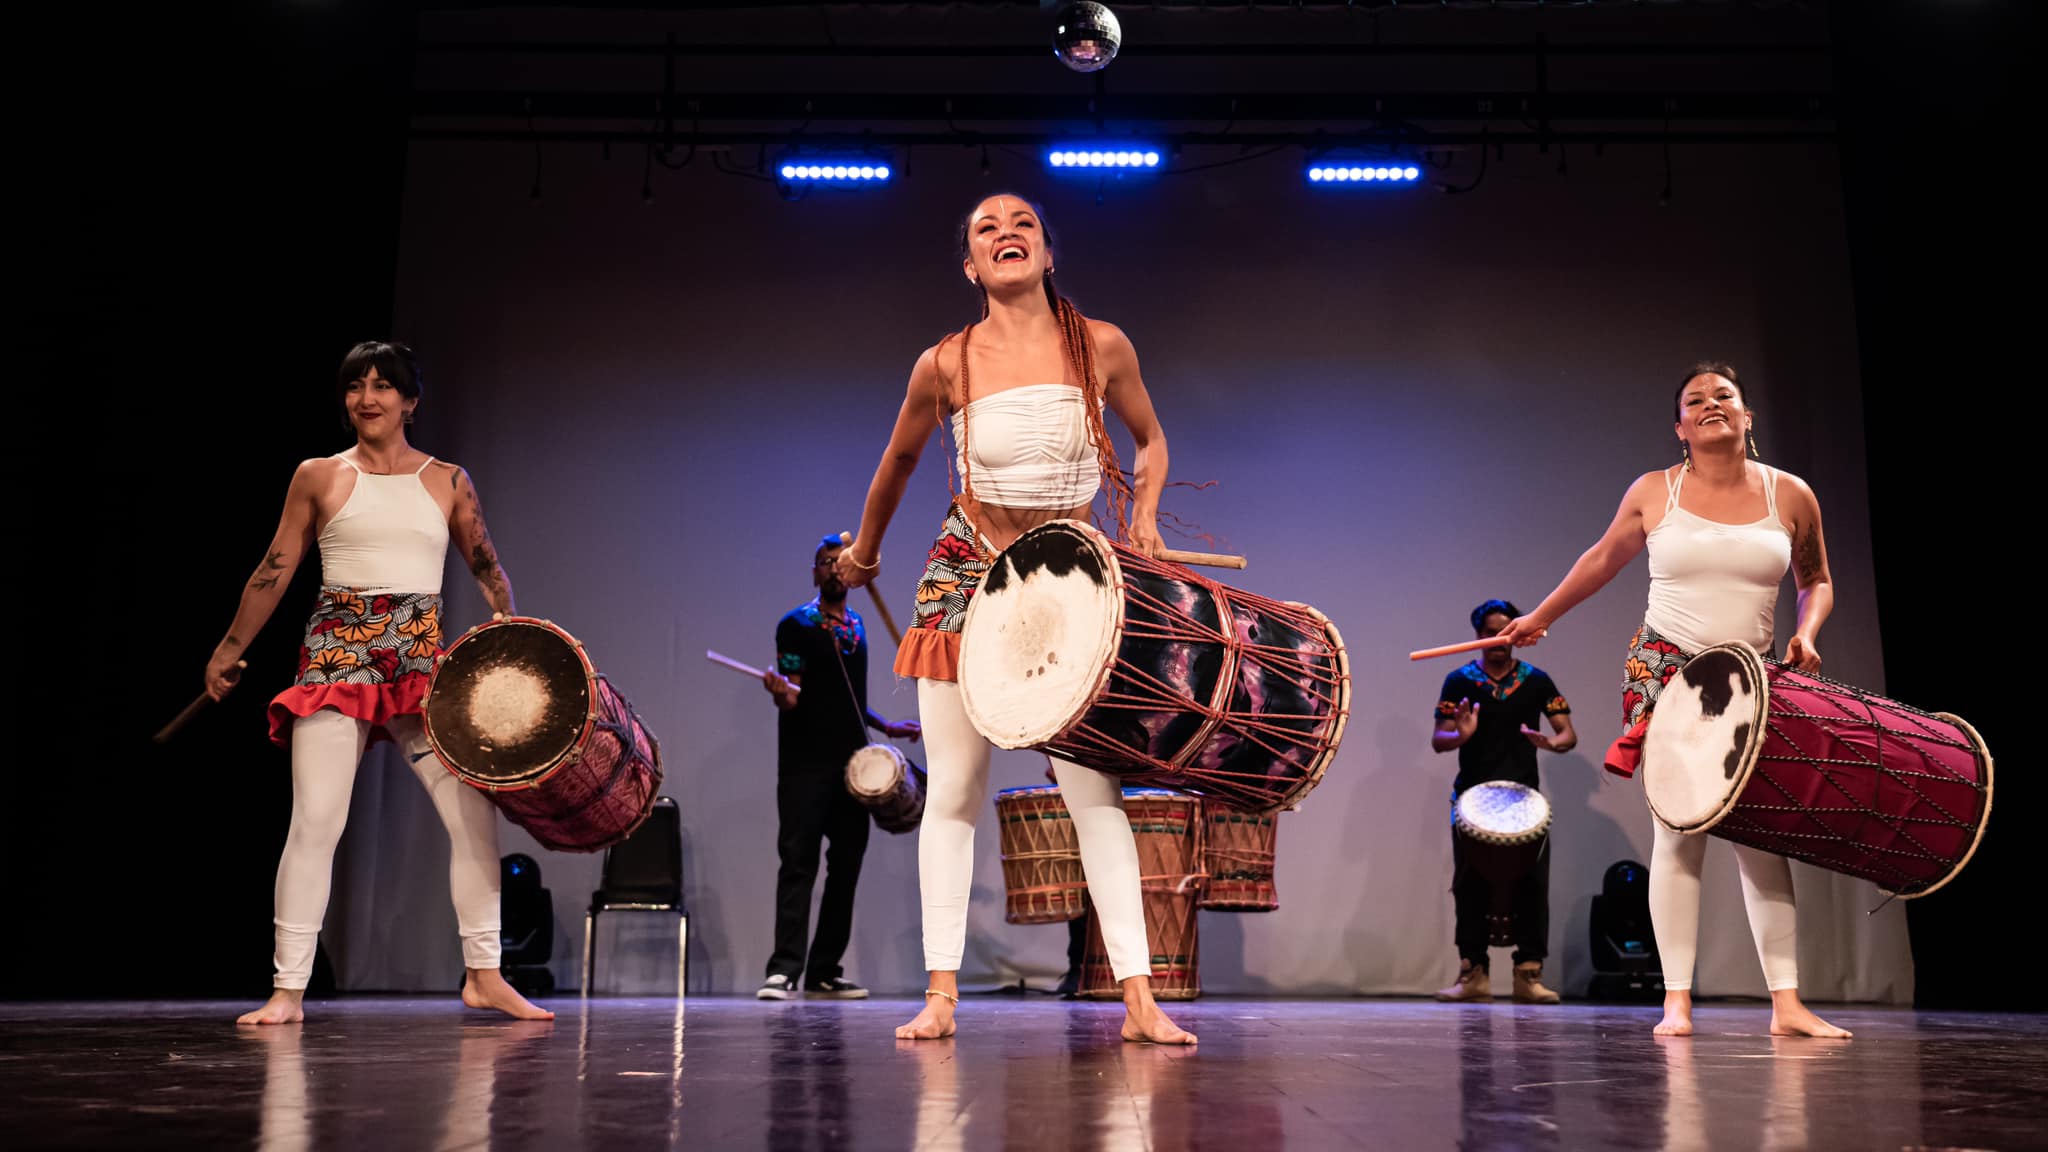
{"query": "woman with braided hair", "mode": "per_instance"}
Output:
(1024, 388)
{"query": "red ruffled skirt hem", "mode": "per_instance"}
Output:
(374, 704)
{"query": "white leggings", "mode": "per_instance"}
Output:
(1675, 862)
(326, 749)
(945, 842)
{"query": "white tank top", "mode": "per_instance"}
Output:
(1029, 447)
(389, 536)
(1711, 583)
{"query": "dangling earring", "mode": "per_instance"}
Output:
(1685, 451)
(1752, 445)
(407, 418)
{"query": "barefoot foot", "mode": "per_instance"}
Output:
(486, 988)
(1677, 1015)
(1796, 1019)
(285, 1006)
(1147, 1024)
(934, 1023)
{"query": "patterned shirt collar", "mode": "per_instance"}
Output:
(848, 632)
(1499, 689)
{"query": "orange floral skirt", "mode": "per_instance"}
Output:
(366, 655)
(952, 572)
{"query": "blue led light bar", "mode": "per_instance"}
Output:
(832, 170)
(1100, 157)
(1332, 173)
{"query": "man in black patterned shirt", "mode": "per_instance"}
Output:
(1491, 711)
(820, 684)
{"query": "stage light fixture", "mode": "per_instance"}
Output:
(1097, 157)
(846, 171)
(1376, 172)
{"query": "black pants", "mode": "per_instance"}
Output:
(1473, 895)
(813, 806)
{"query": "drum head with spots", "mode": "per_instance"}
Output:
(1703, 737)
(1040, 635)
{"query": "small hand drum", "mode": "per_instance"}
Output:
(888, 784)
(517, 710)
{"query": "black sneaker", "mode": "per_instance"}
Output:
(834, 989)
(777, 987)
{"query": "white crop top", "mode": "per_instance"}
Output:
(389, 536)
(1028, 447)
(1710, 582)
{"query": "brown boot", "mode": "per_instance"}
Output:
(1529, 987)
(1475, 983)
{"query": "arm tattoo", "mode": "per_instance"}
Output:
(232, 642)
(1809, 556)
(269, 572)
(483, 562)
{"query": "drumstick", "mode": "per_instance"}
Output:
(1467, 646)
(749, 669)
(881, 605)
(1206, 559)
(198, 702)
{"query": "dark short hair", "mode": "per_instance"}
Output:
(393, 361)
(1480, 613)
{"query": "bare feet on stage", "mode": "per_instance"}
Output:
(285, 1006)
(1144, 1022)
(486, 988)
(1677, 1014)
(935, 1022)
(1791, 1017)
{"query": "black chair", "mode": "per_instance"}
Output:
(643, 873)
(1623, 943)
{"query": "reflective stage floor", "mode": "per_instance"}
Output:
(389, 1073)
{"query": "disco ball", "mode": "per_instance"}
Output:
(1085, 36)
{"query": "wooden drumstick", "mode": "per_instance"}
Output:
(881, 605)
(1467, 646)
(198, 704)
(749, 669)
(1206, 559)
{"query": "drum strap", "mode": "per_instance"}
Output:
(860, 720)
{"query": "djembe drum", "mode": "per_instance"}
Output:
(1506, 827)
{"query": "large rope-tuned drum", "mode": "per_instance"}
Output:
(1797, 764)
(1042, 881)
(517, 710)
(1168, 830)
(1093, 652)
